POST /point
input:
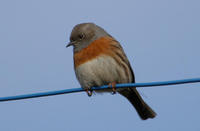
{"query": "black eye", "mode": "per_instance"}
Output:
(81, 36)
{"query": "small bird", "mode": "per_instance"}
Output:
(99, 60)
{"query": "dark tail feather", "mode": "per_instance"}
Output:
(136, 100)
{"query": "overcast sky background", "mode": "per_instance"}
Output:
(160, 38)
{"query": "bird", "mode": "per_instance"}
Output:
(99, 59)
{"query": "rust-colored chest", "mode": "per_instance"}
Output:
(95, 49)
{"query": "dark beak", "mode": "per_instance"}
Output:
(69, 44)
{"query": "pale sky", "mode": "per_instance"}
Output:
(160, 38)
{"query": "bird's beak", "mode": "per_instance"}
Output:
(69, 44)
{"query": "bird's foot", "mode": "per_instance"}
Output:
(89, 92)
(113, 86)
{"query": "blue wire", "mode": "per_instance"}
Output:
(51, 93)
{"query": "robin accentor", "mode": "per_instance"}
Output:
(100, 60)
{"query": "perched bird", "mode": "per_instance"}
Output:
(100, 60)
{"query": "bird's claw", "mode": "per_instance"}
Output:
(89, 92)
(113, 86)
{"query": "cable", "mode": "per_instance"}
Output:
(66, 91)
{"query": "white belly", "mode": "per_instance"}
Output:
(100, 71)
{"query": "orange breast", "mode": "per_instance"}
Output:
(96, 48)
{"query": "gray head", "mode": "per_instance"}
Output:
(84, 34)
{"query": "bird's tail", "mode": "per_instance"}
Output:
(136, 100)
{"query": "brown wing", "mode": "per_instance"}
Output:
(122, 59)
(132, 94)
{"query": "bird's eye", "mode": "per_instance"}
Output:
(81, 36)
